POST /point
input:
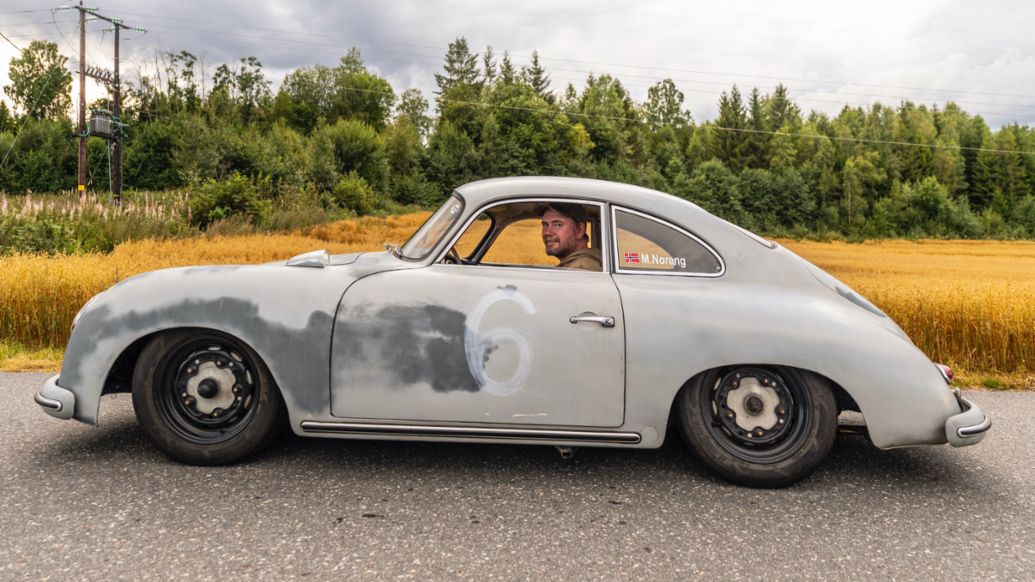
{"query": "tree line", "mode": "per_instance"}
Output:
(344, 137)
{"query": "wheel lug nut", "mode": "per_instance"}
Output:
(780, 410)
(759, 433)
(730, 414)
(189, 401)
(236, 389)
(217, 412)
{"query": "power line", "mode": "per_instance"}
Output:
(267, 42)
(730, 129)
(26, 11)
(617, 118)
(606, 64)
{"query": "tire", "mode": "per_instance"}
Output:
(205, 398)
(759, 426)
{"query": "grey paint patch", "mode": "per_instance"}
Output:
(424, 343)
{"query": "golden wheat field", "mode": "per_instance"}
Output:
(970, 304)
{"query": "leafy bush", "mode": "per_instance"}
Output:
(353, 193)
(235, 197)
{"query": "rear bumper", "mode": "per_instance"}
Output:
(55, 400)
(969, 426)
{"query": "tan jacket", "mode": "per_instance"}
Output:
(583, 259)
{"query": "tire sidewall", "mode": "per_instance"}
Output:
(262, 426)
(817, 442)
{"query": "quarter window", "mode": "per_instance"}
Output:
(646, 245)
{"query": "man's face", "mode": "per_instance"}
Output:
(560, 234)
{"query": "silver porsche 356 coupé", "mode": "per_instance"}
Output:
(675, 319)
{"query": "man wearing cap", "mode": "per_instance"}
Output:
(564, 234)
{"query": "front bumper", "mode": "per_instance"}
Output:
(969, 426)
(56, 401)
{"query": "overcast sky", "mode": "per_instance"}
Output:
(979, 54)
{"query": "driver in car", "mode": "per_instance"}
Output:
(564, 235)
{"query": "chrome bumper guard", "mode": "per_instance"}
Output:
(969, 426)
(54, 400)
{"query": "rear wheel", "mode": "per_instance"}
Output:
(759, 426)
(205, 398)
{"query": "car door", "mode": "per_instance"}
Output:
(481, 344)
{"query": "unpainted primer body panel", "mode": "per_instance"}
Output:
(284, 313)
(461, 343)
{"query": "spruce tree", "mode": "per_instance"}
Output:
(460, 68)
(535, 75)
(757, 146)
(489, 66)
(729, 144)
(508, 75)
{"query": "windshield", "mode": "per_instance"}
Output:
(428, 235)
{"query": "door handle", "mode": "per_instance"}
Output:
(603, 320)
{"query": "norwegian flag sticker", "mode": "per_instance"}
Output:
(632, 257)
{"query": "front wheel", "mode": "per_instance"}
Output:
(759, 426)
(205, 398)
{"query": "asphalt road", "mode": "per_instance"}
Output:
(99, 503)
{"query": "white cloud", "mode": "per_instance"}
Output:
(829, 54)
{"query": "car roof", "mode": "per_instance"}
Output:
(482, 191)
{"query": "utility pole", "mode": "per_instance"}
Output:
(110, 128)
(116, 181)
(81, 183)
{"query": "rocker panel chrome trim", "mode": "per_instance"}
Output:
(470, 432)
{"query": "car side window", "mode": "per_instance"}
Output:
(474, 234)
(520, 243)
(513, 234)
(648, 245)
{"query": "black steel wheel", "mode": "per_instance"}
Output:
(757, 425)
(205, 398)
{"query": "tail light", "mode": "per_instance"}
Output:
(946, 372)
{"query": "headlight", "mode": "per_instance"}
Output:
(82, 310)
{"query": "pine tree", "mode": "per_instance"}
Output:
(984, 173)
(460, 68)
(535, 75)
(507, 73)
(729, 143)
(489, 66)
(757, 146)
(782, 111)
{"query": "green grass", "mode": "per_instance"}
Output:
(18, 358)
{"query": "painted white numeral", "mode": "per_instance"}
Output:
(477, 345)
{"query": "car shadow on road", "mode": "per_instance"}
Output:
(854, 460)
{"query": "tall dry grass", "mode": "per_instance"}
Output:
(968, 304)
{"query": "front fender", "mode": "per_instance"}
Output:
(285, 314)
